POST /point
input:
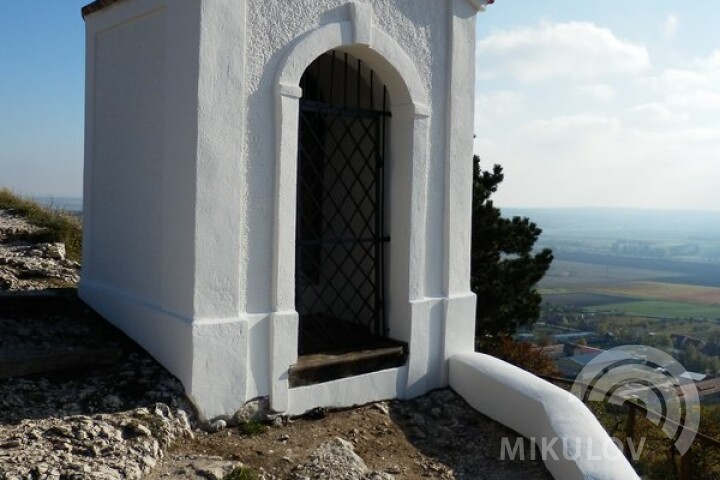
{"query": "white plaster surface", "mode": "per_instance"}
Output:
(347, 392)
(190, 173)
(539, 410)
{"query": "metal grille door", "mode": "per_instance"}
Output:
(340, 234)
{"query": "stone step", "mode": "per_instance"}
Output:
(324, 367)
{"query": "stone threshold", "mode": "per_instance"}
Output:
(324, 367)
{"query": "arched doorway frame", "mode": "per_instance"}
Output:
(409, 150)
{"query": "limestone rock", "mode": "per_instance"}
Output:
(195, 467)
(56, 251)
(337, 460)
(253, 411)
(26, 265)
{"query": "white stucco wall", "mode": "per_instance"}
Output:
(187, 200)
(572, 443)
(140, 159)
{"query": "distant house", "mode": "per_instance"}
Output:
(571, 366)
(562, 337)
(694, 376)
(709, 390)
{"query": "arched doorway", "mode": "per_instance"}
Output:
(340, 236)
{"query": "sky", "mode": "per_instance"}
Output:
(613, 103)
(42, 82)
(583, 103)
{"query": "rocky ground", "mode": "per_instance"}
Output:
(435, 436)
(26, 265)
(111, 414)
(78, 400)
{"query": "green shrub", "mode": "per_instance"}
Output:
(251, 428)
(241, 473)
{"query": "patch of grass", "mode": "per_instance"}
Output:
(241, 473)
(575, 276)
(251, 428)
(676, 292)
(56, 225)
(584, 299)
(659, 309)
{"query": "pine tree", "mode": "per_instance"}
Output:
(505, 269)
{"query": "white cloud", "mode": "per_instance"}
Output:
(655, 113)
(572, 50)
(713, 61)
(645, 137)
(597, 91)
(597, 161)
(671, 25)
(699, 136)
(678, 80)
(694, 87)
(701, 73)
(566, 126)
(699, 100)
(500, 103)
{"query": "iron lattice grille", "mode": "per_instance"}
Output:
(340, 222)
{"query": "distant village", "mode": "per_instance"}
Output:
(573, 338)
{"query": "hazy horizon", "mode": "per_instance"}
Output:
(602, 207)
(62, 201)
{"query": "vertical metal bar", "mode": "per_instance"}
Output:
(319, 61)
(332, 79)
(345, 82)
(384, 105)
(378, 233)
(372, 89)
(381, 207)
(359, 74)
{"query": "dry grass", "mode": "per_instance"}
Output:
(55, 225)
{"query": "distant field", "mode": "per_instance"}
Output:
(582, 299)
(699, 328)
(661, 309)
(704, 273)
(675, 292)
(574, 276)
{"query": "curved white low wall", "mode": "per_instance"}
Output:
(573, 444)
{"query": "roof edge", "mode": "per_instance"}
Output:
(96, 6)
(480, 5)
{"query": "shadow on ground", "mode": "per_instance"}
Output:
(443, 426)
(59, 358)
